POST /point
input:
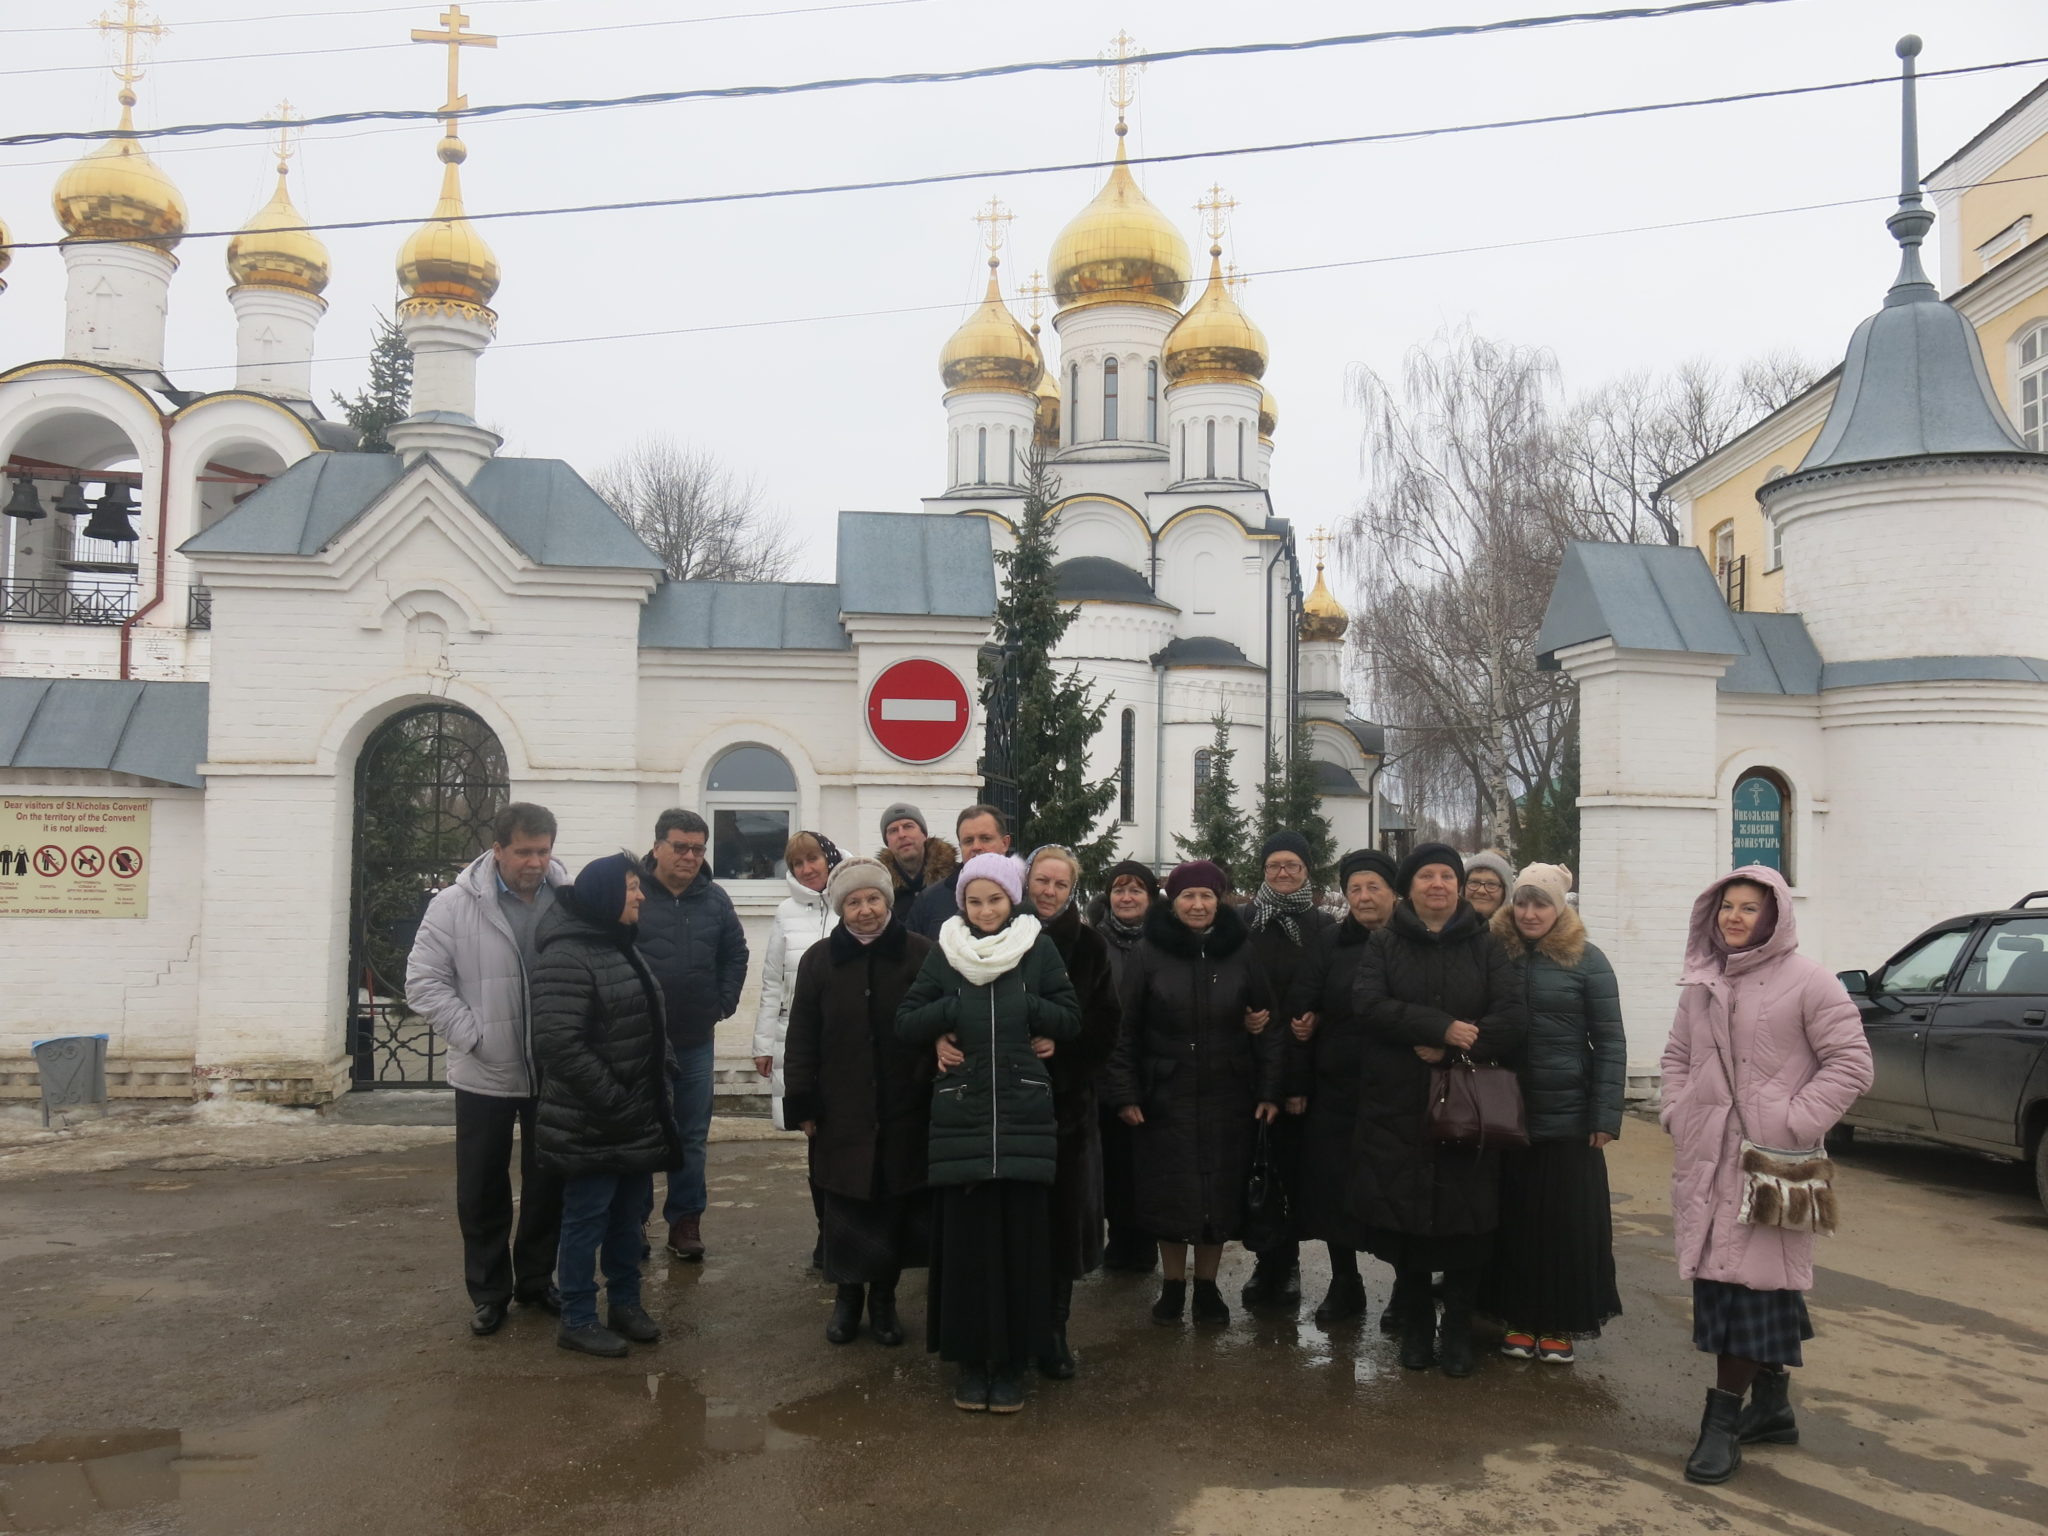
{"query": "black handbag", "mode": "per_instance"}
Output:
(1473, 1105)
(1267, 1221)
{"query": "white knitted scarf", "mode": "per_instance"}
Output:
(982, 957)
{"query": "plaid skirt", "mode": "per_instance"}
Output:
(1765, 1326)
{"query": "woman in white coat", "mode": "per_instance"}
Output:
(802, 919)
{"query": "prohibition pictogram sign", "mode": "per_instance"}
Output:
(127, 862)
(87, 861)
(49, 861)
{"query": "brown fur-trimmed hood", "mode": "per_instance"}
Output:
(941, 863)
(1565, 943)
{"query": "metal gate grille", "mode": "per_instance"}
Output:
(428, 785)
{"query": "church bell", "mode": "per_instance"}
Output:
(71, 500)
(24, 503)
(112, 516)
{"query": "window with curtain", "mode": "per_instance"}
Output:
(1109, 397)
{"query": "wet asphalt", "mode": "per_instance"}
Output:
(285, 1350)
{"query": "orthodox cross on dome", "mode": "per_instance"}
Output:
(455, 39)
(1033, 291)
(287, 118)
(133, 23)
(1122, 72)
(1215, 208)
(1321, 539)
(1234, 280)
(993, 220)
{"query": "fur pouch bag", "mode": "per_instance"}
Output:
(1793, 1190)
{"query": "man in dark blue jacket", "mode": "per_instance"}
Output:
(691, 939)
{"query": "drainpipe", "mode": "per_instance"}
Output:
(1278, 550)
(163, 528)
(1158, 764)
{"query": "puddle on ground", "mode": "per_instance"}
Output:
(107, 1298)
(63, 1479)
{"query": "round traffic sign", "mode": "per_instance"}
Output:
(918, 711)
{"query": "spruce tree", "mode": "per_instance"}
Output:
(1291, 799)
(1056, 715)
(1222, 830)
(387, 398)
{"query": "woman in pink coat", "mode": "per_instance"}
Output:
(1761, 1027)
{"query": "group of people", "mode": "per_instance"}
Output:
(1011, 1095)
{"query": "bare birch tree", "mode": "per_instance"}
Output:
(705, 521)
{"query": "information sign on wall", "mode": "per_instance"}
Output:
(74, 858)
(1759, 823)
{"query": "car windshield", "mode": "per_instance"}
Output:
(1926, 966)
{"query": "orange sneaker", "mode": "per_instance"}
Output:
(1555, 1351)
(1519, 1345)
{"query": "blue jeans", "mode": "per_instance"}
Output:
(602, 1218)
(691, 1085)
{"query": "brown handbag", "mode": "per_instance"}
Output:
(1474, 1105)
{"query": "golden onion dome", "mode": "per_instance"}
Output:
(1215, 343)
(1047, 426)
(1269, 415)
(1322, 616)
(116, 192)
(273, 251)
(1120, 249)
(6, 253)
(446, 258)
(991, 351)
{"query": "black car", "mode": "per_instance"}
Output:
(1958, 1030)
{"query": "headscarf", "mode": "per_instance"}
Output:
(827, 847)
(600, 894)
(1067, 857)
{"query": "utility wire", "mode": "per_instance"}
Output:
(510, 37)
(942, 77)
(1439, 253)
(238, 21)
(943, 178)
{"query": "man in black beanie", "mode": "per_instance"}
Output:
(1285, 922)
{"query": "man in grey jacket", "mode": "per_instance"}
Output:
(468, 978)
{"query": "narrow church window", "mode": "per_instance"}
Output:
(1074, 402)
(1109, 397)
(1014, 477)
(981, 457)
(1240, 450)
(1182, 472)
(2033, 384)
(1210, 472)
(1152, 401)
(1127, 768)
(1203, 761)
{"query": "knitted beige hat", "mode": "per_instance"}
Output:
(1554, 881)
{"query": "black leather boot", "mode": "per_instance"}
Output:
(1718, 1454)
(1172, 1302)
(1767, 1418)
(1454, 1342)
(1345, 1302)
(1210, 1307)
(1418, 1335)
(1057, 1363)
(845, 1324)
(1397, 1307)
(882, 1319)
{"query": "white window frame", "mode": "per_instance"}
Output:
(716, 800)
(2030, 384)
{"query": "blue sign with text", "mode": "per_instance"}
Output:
(1759, 824)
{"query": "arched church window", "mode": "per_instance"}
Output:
(1762, 822)
(1182, 472)
(750, 799)
(1014, 476)
(1074, 402)
(1127, 768)
(2032, 392)
(1109, 397)
(1210, 472)
(981, 456)
(1240, 450)
(1205, 764)
(1152, 401)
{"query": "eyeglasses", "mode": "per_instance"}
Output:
(686, 850)
(1484, 885)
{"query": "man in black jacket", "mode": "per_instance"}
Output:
(978, 829)
(692, 940)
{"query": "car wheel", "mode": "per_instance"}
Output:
(1840, 1138)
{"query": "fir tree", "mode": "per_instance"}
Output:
(1291, 800)
(1056, 716)
(388, 396)
(1222, 830)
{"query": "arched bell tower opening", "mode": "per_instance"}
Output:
(428, 784)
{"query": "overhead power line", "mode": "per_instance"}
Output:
(1436, 254)
(185, 25)
(942, 77)
(510, 37)
(945, 177)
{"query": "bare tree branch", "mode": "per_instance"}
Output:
(705, 521)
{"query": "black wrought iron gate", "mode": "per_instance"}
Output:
(428, 784)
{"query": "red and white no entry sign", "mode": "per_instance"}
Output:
(917, 711)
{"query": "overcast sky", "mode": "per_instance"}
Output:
(829, 413)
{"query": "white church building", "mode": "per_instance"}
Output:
(259, 691)
(1884, 740)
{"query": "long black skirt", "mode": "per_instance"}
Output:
(1552, 1270)
(989, 1299)
(874, 1240)
(1409, 1251)
(1765, 1326)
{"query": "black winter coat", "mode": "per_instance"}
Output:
(1121, 946)
(601, 1049)
(1411, 985)
(1575, 1061)
(1076, 1067)
(941, 864)
(1280, 957)
(843, 1067)
(1186, 1060)
(1326, 1072)
(697, 950)
(992, 1116)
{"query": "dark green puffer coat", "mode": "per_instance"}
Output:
(603, 1053)
(992, 1116)
(1575, 1057)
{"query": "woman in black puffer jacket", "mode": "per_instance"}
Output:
(1118, 914)
(605, 1118)
(1431, 982)
(1195, 1081)
(1551, 1279)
